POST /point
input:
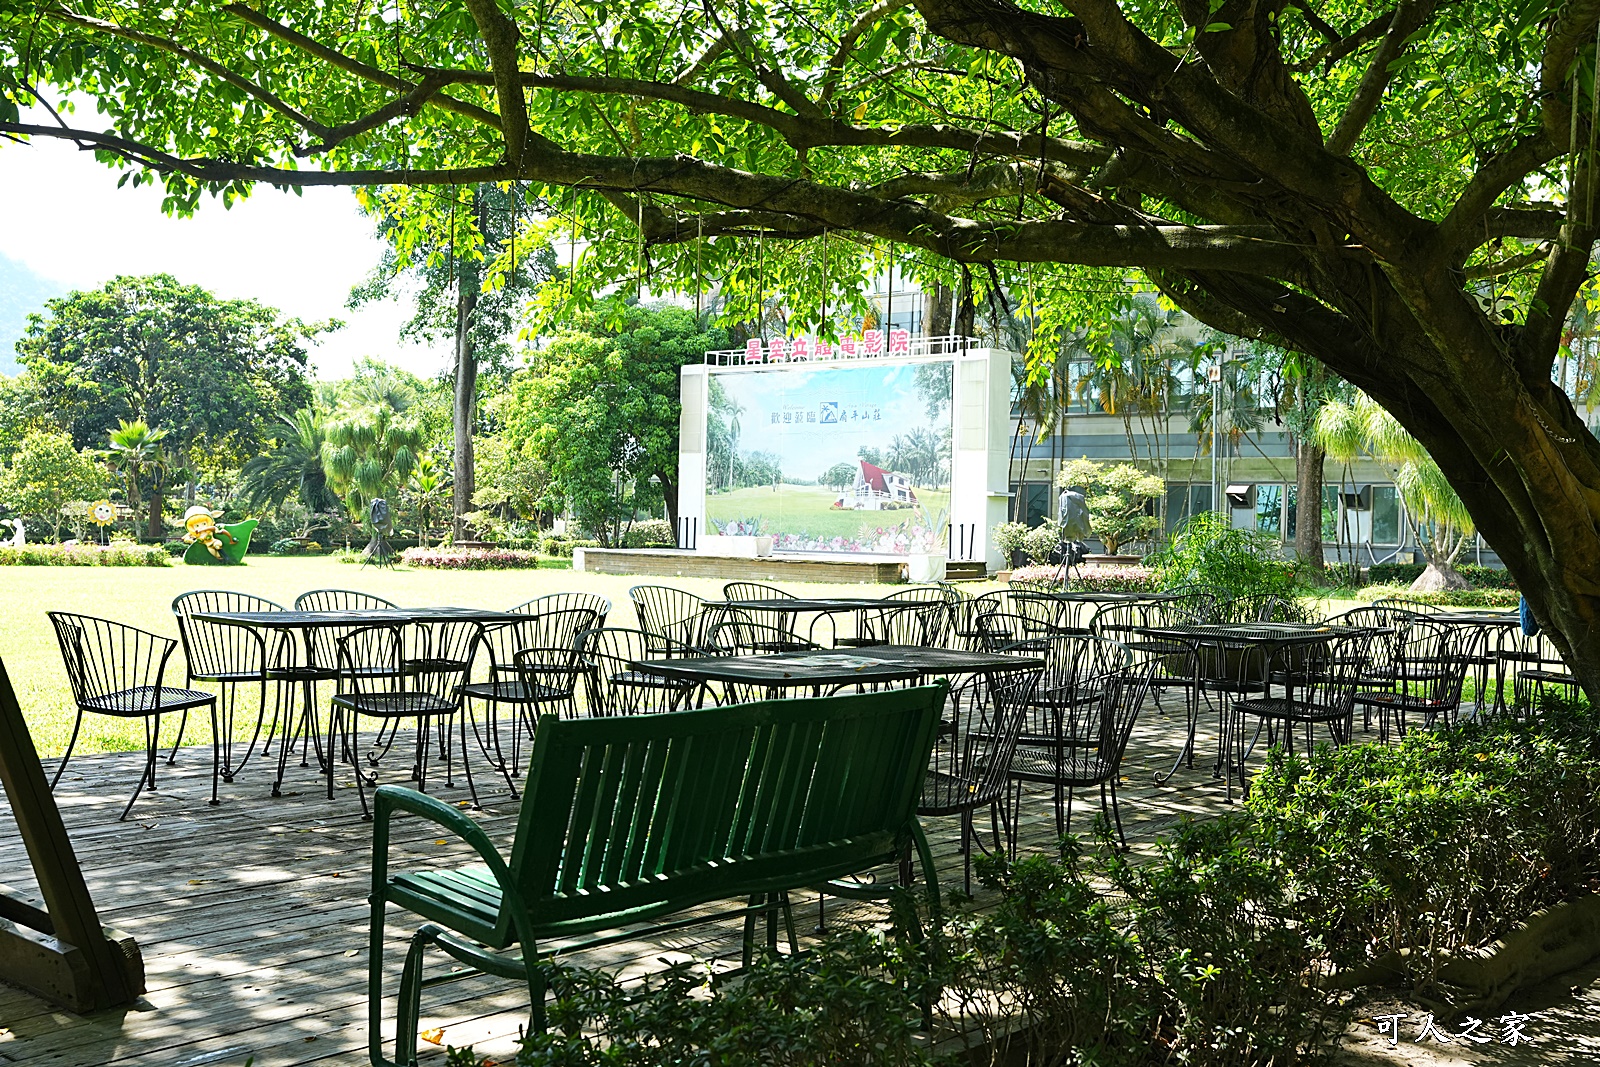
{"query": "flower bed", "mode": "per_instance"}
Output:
(473, 559)
(85, 556)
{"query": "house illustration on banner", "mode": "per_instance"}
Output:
(876, 489)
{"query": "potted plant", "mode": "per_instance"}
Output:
(1011, 539)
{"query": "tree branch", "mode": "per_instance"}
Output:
(1565, 271)
(350, 65)
(500, 36)
(847, 41)
(1407, 18)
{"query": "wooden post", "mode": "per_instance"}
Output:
(60, 952)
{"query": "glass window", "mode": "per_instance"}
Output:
(1269, 509)
(1184, 501)
(1385, 515)
(1039, 503)
(1330, 512)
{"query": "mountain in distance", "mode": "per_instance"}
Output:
(22, 292)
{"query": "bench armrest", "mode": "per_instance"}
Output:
(392, 798)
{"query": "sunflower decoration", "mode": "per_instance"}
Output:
(102, 513)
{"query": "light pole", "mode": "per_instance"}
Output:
(1214, 373)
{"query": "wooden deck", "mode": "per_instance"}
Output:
(252, 916)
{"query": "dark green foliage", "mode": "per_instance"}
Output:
(1208, 550)
(1440, 843)
(849, 1002)
(213, 373)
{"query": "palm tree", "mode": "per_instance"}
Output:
(368, 454)
(135, 448)
(429, 489)
(1437, 517)
(292, 468)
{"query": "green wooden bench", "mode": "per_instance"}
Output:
(630, 820)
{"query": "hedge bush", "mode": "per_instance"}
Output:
(1134, 579)
(472, 559)
(562, 546)
(1450, 598)
(652, 533)
(117, 555)
(1478, 577)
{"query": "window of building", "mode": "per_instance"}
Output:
(1184, 501)
(1040, 501)
(1385, 515)
(1269, 509)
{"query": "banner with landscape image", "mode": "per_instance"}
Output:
(832, 458)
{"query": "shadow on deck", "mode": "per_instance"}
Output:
(252, 916)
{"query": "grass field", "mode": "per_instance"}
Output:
(143, 596)
(809, 509)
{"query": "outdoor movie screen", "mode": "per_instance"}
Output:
(832, 458)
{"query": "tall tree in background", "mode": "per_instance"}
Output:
(601, 402)
(461, 247)
(1407, 193)
(215, 374)
(46, 475)
(136, 450)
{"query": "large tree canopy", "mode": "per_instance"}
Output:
(214, 374)
(1405, 191)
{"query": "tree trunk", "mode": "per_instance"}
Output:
(1437, 577)
(938, 305)
(464, 408)
(1308, 460)
(154, 530)
(669, 496)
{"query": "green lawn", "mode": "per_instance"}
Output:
(809, 509)
(143, 596)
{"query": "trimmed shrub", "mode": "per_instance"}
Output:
(119, 554)
(652, 533)
(562, 547)
(1452, 598)
(1133, 579)
(1478, 577)
(286, 547)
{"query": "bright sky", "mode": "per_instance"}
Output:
(64, 218)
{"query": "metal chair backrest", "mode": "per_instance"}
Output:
(554, 633)
(1079, 664)
(674, 615)
(541, 605)
(105, 658)
(212, 650)
(1433, 664)
(1120, 622)
(1338, 671)
(773, 619)
(738, 633)
(612, 687)
(932, 626)
(976, 757)
(657, 813)
(373, 660)
(341, 600)
(1009, 631)
(1407, 605)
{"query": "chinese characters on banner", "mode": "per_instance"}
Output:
(1512, 1029)
(871, 343)
(828, 413)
